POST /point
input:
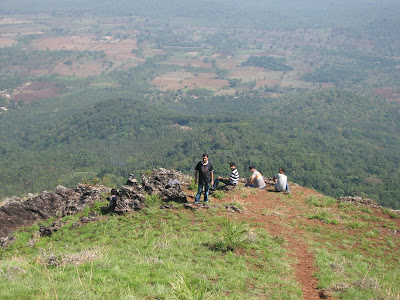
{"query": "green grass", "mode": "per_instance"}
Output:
(391, 213)
(218, 194)
(324, 216)
(321, 201)
(354, 276)
(147, 255)
(202, 254)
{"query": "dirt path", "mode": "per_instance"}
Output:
(275, 211)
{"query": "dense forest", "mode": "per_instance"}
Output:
(324, 103)
(334, 141)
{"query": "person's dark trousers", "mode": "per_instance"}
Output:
(217, 181)
(200, 190)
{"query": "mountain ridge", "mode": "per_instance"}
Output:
(303, 222)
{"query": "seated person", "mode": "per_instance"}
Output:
(232, 180)
(256, 180)
(281, 181)
(113, 202)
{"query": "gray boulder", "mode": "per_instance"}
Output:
(167, 184)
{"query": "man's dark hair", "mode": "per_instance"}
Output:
(232, 164)
(205, 154)
(252, 167)
(282, 170)
(114, 192)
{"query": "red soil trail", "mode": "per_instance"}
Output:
(275, 211)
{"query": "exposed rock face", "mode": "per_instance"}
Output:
(359, 201)
(131, 196)
(166, 184)
(63, 201)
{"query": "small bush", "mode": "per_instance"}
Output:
(321, 201)
(218, 194)
(234, 235)
(355, 225)
(366, 210)
(373, 233)
(153, 200)
(391, 213)
(192, 186)
(323, 216)
(183, 290)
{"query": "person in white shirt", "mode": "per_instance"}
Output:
(256, 180)
(281, 181)
(232, 180)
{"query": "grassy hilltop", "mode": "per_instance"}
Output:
(298, 246)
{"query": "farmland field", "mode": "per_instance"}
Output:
(90, 47)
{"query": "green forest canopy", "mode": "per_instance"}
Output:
(336, 142)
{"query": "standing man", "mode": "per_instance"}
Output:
(232, 180)
(281, 182)
(256, 180)
(205, 171)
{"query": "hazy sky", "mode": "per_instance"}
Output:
(295, 5)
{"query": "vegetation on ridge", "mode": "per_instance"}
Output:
(209, 253)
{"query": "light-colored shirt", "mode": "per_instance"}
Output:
(258, 179)
(281, 184)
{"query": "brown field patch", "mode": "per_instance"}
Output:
(186, 80)
(119, 50)
(19, 29)
(388, 93)
(152, 52)
(7, 20)
(185, 61)
(79, 69)
(199, 63)
(116, 50)
(34, 91)
(230, 63)
(65, 43)
(5, 42)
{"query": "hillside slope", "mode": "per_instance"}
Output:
(301, 245)
(308, 220)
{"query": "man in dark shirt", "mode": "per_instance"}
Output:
(205, 172)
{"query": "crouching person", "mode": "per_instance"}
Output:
(113, 203)
(281, 181)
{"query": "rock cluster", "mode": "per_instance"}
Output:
(15, 212)
(359, 201)
(167, 184)
(38, 207)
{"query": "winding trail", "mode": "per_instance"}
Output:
(275, 212)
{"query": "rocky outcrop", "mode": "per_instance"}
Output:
(38, 207)
(131, 196)
(167, 184)
(15, 212)
(359, 201)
